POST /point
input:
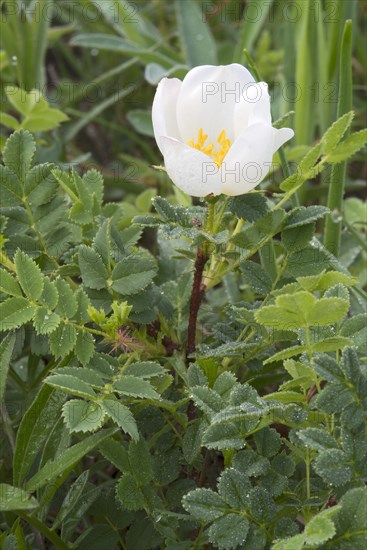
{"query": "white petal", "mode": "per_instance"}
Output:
(281, 136)
(207, 100)
(248, 160)
(189, 169)
(164, 110)
(253, 108)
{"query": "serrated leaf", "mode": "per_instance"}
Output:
(6, 350)
(256, 276)
(62, 340)
(348, 147)
(249, 207)
(87, 375)
(129, 493)
(233, 486)
(141, 461)
(49, 296)
(297, 238)
(132, 274)
(356, 329)
(229, 532)
(122, 416)
(333, 466)
(223, 436)
(14, 498)
(145, 369)
(67, 459)
(70, 384)
(10, 188)
(84, 346)
(204, 504)
(35, 427)
(67, 305)
(15, 312)
(40, 185)
(82, 416)
(335, 133)
(8, 284)
(45, 321)
(304, 215)
(18, 152)
(29, 275)
(191, 443)
(317, 439)
(135, 387)
(350, 521)
(93, 270)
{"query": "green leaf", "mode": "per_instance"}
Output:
(351, 521)
(84, 346)
(319, 529)
(34, 429)
(67, 305)
(13, 498)
(10, 188)
(82, 416)
(129, 493)
(333, 466)
(135, 387)
(133, 274)
(356, 329)
(335, 133)
(317, 439)
(229, 532)
(305, 215)
(8, 284)
(197, 41)
(249, 207)
(122, 416)
(67, 459)
(204, 504)
(6, 350)
(141, 462)
(233, 486)
(45, 321)
(71, 499)
(29, 275)
(223, 436)
(348, 147)
(256, 276)
(15, 312)
(49, 296)
(297, 238)
(145, 369)
(70, 384)
(93, 271)
(191, 443)
(170, 213)
(62, 340)
(18, 153)
(40, 185)
(141, 121)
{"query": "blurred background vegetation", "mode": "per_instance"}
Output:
(99, 61)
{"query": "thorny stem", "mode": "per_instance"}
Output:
(198, 289)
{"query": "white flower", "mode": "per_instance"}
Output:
(214, 130)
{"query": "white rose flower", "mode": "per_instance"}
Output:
(214, 130)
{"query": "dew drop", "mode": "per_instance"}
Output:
(14, 60)
(94, 52)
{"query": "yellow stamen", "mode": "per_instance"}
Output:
(217, 156)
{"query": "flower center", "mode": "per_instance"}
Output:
(217, 156)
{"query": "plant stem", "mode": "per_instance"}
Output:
(42, 528)
(337, 179)
(198, 289)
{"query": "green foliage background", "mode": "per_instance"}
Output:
(111, 436)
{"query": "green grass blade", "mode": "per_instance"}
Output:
(337, 178)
